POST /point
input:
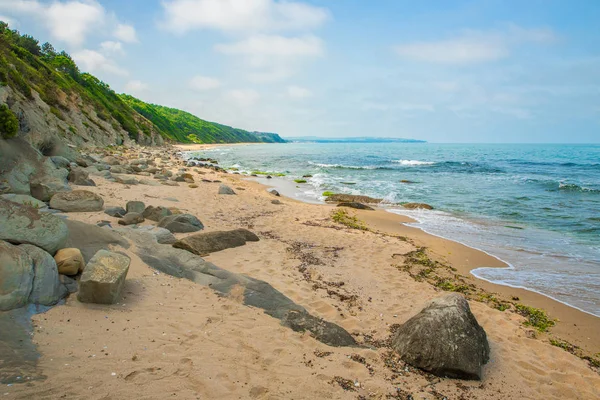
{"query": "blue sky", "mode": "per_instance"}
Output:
(442, 71)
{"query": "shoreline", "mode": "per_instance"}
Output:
(573, 325)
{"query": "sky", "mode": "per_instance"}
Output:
(442, 71)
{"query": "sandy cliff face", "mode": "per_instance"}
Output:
(74, 124)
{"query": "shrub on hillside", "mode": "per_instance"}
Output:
(9, 124)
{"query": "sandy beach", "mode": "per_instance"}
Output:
(173, 338)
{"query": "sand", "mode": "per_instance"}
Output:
(171, 338)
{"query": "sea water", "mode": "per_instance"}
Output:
(536, 207)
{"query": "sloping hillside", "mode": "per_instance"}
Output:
(56, 105)
(185, 127)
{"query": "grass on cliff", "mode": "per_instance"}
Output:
(9, 124)
(187, 128)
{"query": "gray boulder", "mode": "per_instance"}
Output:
(444, 339)
(181, 223)
(224, 189)
(210, 242)
(47, 289)
(25, 200)
(117, 212)
(79, 176)
(110, 160)
(274, 192)
(77, 201)
(126, 180)
(23, 224)
(103, 278)
(23, 168)
(16, 276)
(148, 233)
(156, 213)
(90, 238)
(135, 207)
(131, 218)
(60, 161)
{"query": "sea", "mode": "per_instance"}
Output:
(534, 206)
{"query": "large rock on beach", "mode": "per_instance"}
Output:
(417, 206)
(47, 289)
(90, 238)
(21, 224)
(135, 207)
(444, 339)
(69, 261)
(181, 223)
(156, 213)
(224, 189)
(210, 242)
(358, 206)
(24, 170)
(24, 200)
(16, 276)
(131, 218)
(79, 176)
(117, 212)
(77, 201)
(103, 278)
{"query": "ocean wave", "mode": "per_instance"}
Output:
(413, 162)
(571, 187)
(342, 166)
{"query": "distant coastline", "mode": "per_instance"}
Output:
(315, 139)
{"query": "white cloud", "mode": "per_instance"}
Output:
(70, 21)
(243, 97)
(274, 45)
(93, 61)
(297, 92)
(454, 51)
(125, 33)
(135, 86)
(199, 82)
(473, 47)
(112, 47)
(270, 58)
(241, 15)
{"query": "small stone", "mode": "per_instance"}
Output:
(69, 261)
(117, 212)
(224, 189)
(131, 219)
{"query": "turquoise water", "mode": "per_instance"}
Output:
(537, 207)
